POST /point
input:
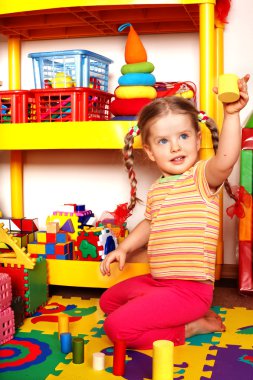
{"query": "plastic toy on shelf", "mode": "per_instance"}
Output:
(67, 68)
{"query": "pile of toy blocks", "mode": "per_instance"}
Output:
(28, 276)
(23, 230)
(245, 223)
(52, 243)
(7, 325)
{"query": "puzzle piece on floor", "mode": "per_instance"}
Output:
(99, 331)
(83, 315)
(33, 357)
(231, 362)
(238, 329)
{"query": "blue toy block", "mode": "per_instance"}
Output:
(62, 257)
(80, 207)
(61, 237)
(50, 248)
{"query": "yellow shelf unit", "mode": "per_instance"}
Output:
(51, 19)
(87, 273)
(72, 135)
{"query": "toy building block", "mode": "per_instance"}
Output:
(119, 355)
(51, 238)
(162, 368)
(68, 226)
(53, 227)
(63, 324)
(66, 342)
(245, 267)
(21, 257)
(78, 350)
(62, 237)
(31, 285)
(7, 325)
(23, 224)
(18, 307)
(98, 361)
(41, 236)
(5, 291)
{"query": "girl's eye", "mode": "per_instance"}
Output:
(162, 141)
(184, 136)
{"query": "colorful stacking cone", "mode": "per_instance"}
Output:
(136, 85)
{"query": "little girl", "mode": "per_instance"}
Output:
(181, 225)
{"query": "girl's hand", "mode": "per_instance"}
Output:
(235, 107)
(117, 255)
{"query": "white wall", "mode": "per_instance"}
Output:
(98, 179)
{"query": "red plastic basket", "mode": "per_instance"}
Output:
(71, 104)
(16, 106)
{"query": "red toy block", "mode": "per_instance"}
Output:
(51, 238)
(247, 138)
(30, 225)
(245, 267)
(61, 248)
(19, 279)
(119, 355)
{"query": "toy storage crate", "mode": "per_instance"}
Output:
(16, 106)
(71, 104)
(71, 68)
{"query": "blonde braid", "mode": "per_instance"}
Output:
(129, 162)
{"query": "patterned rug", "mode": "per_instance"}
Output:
(35, 352)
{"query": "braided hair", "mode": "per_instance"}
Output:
(149, 114)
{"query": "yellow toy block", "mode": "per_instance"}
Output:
(41, 236)
(41, 249)
(32, 248)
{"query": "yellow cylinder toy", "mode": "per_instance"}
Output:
(162, 360)
(228, 91)
(63, 324)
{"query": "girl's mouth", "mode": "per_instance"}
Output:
(178, 160)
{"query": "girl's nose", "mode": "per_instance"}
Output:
(174, 146)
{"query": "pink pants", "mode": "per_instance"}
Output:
(142, 310)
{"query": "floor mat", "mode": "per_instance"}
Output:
(35, 352)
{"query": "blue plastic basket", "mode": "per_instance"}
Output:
(70, 68)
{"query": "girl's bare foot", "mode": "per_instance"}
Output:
(212, 314)
(205, 325)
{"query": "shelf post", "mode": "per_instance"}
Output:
(16, 164)
(207, 54)
(219, 69)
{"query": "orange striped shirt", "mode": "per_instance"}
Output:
(184, 217)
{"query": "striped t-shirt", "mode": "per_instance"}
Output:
(184, 217)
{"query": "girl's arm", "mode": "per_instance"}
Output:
(136, 239)
(219, 167)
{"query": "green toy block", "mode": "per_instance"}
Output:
(249, 122)
(38, 289)
(246, 172)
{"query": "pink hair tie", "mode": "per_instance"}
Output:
(202, 117)
(134, 131)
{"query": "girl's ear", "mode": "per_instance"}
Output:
(148, 152)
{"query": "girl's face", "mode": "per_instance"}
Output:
(173, 144)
